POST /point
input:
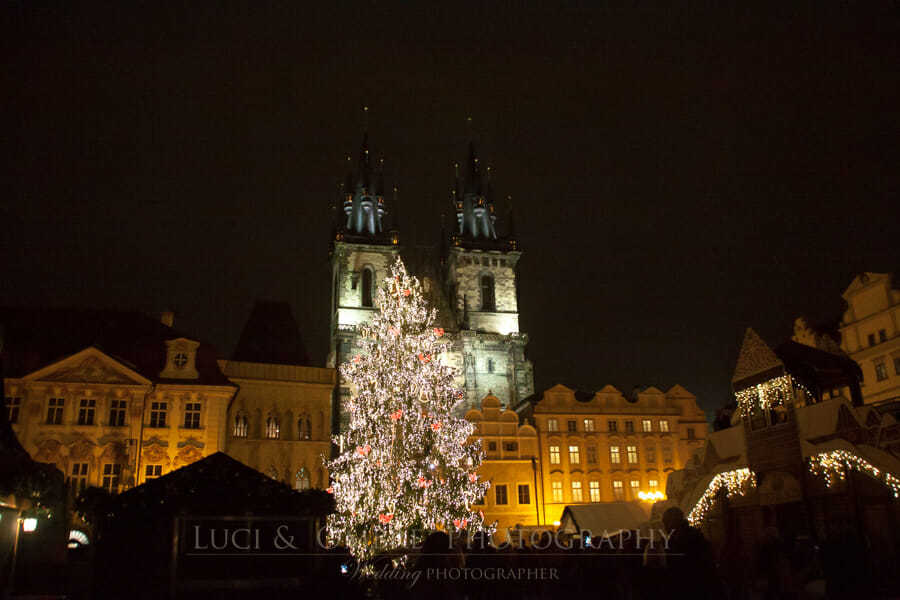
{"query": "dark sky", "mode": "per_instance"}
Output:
(677, 176)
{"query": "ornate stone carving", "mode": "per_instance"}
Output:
(81, 449)
(114, 452)
(90, 370)
(187, 455)
(156, 454)
(49, 451)
(191, 441)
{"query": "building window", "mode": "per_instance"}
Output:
(646, 425)
(111, 474)
(158, 412)
(117, 412)
(618, 490)
(612, 426)
(273, 429)
(301, 479)
(552, 425)
(629, 426)
(554, 455)
(510, 446)
(635, 488)
(667, 454)
(368, 281)
(501, 495)
(524, 494)
(871, 339)
(574, 455)
(492, 446)
(882, 335)
(487, 294)
(664, 426)
(556, 491)
(650, 454)
(152, 471)
(588, 424)
(55, 411)
(86, 409)
(632, 454)
(180, 360)
(652, 484)
(240, 426)
(591, 452)
(304, 428)
(690, 433)
(490, 365)
(12, 408)
(576, 492)
(880, 370)
(594, 491)
(79, 478)
(192, 415)
(614, 457)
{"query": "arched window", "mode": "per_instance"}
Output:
(273, 429)
(240, 425)
(487, 293)
(301, 479)
(367, 284)
(304, 428)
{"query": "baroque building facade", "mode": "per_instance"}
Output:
(470, 277)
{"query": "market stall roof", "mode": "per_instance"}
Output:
(602, 517)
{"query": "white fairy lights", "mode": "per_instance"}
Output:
(733, 482)
(769, 394)
(833, 466)
(407, 465)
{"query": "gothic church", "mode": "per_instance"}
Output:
(469, 276)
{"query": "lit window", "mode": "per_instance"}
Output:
(594, 491)
(192, 415)
(152, 471)
(368, 282)
(574, 455)
(576, 492)
(635, 488)
(646, 425)
(552, 425)
(880, 370)
(111, 474)
(664, 425)
(273, 429)
(487, 294)
(612, 426)
(501, 494)
(79, 477)
(117, 412)
(240, 426)
(588, 424)
(629, 426)
(554, 455)
(652, 484)
(632, 454)
(55, 410)
(591, 452)
(556, 488)
(614, 457)
(301, 479)
(12, 408)
(618, 490)
(158, 414)
(524, 494)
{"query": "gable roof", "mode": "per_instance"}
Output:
(755, 357)
(89, 365)
(603, 517)
(271, 336)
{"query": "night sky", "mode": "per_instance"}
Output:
(676, 176)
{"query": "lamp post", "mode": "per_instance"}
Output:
(27, 525)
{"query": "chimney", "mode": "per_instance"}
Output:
(167, 318)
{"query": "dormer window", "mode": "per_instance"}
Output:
(181, 359)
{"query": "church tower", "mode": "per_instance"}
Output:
(362, 250)
(481, 282)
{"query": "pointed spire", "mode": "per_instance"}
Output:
(473, 174)
(511, 227)
(395, 207)
(755, 357)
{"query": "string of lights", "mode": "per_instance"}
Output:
(769, 394)
(835, 464)
(734, 483)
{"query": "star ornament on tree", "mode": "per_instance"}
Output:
(402, 415)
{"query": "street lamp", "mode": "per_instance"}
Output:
(29, 524)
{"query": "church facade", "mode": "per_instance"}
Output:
(470, 276)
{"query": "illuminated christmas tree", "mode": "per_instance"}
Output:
(407, 466)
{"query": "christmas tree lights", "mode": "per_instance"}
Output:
(408, 466)
(769, 394)
(733, 482)
(833, 466)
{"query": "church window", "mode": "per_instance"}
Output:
(576, 492)
(554, 455)
(12, 408)
(594, 489)
(273, 429)
(111, 473)
(588, 424)
(55, 410)
(240, 426)
(618, 490)
(880, 370)
(490, 365)
(304, 428)
(368, 281)
(556, 487)
(192, 415)
(152, 471)
(301, 479)
(614, 455)
(552, 425)
(79, 478)
(487, 293)
(158, 412)
(117, 412)
(86, 411)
